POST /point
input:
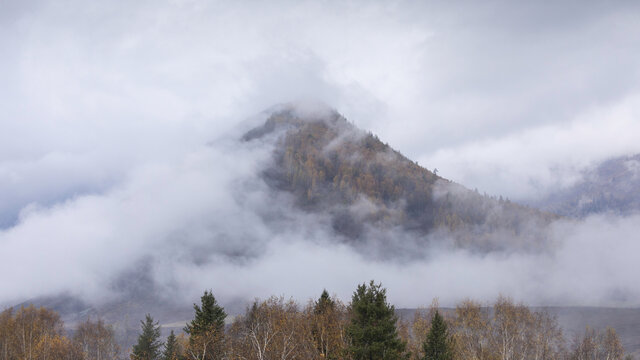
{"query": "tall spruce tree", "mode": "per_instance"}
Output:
(325, 327)
(437, 345)
(171, 348)
(372, 330)
(209, 316)
(206, 330)
(148, 346)
(324, 303)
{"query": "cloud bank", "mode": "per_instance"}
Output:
(208, 221)
(107, 108)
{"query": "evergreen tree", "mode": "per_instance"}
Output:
(171, 348)
(148, 346)
(437, 345)
(206, 330)
(372, 330)
(326, 327)
(324, 303)
(209, 316)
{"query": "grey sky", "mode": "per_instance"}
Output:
(513, 98)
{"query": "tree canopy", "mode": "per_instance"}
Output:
(372, 330)
(208, 316)
(437, 345)
(171, 348)
(148, 346)
(206, 330)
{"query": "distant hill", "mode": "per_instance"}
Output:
(610, 187)
(366, 193)
(369, 189)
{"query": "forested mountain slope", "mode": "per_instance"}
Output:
(370, 190)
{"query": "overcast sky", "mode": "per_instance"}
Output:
(512, 98)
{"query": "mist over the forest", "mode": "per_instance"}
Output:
(121, 150)
(208, 220)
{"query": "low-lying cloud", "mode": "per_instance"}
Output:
(106, 108)
(208, 220)
(533, 162)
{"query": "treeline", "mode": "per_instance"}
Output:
(275, 328)
(32, 333)
(368, 328)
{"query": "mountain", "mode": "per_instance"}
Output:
(610, 187)
(346, 183)
(371, 191)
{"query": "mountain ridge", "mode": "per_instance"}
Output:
(331, 166)
(375, 198)
(608, 187)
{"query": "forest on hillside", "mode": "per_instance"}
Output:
(276, 328)
(368, 189)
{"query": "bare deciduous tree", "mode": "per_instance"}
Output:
(96, 340)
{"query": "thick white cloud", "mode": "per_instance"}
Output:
(106, 107)
(531, 162)
(129, 82)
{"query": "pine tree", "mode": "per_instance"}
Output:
(171, 348)
(209, 316)
(324, 303)
(437, 345)
(326, 327)
(148, 346)
(372, 330)
(206, 330)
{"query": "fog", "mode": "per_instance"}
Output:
(120, 123)
(208, 221)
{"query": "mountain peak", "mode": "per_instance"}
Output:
(295, 115)
(368, 189)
